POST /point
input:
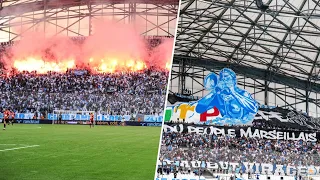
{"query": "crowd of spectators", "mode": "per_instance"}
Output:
(200, 147)
(116, 93)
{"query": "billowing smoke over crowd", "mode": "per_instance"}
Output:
(161, 55)
(112, 47)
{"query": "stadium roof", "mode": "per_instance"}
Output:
(16, 7)
(282, 40)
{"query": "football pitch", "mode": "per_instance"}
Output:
(78, 152)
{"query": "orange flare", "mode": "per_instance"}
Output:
(41, 66)
(168, 66)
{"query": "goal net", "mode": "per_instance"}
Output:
(313, 177)
(67, 115)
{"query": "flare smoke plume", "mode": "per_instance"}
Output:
(112, 47)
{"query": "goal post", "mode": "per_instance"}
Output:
(313, 177)
(72, 115)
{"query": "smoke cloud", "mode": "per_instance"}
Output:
(112, 47)
(161, 55)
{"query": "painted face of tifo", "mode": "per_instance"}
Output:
(227, 80)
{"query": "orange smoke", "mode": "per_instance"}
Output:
(113, 47)
(168, 66)
(111, 65)
(161, 56)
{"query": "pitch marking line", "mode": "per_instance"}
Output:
(9, 144)
(19, 148)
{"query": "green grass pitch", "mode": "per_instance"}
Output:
(77, 152)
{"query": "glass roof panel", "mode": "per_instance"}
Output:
(284, 38)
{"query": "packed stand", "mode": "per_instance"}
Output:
(114, 94)
(199, 147)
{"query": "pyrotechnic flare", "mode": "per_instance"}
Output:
(114, 47)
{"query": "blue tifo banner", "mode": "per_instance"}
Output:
(80, 117)
(151, 118)
(21, 121)
(127, 123)
(20, 116)
(245, 167)
(108, 123)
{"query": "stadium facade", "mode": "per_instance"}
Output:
(74, 18)
(155, 21)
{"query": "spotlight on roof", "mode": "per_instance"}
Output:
(261, 5)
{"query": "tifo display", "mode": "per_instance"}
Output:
(136, 92)
(229, 135)
(225, 104)
(123, 93)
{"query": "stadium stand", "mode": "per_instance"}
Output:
(196, 147)
(122, 93)
(79, 89)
